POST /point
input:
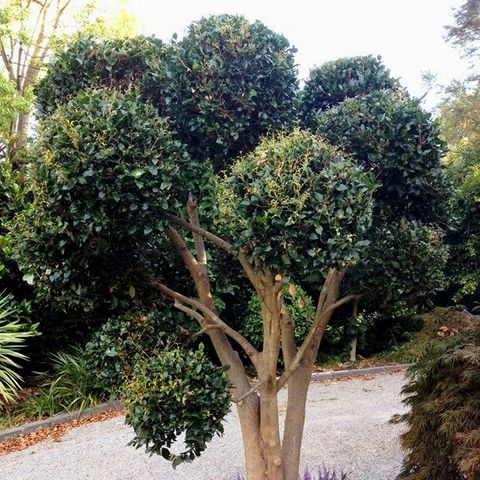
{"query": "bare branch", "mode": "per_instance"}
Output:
(188, 259)
(309, 339)
(205, 330)
(249, 349)
(223, 244)
(8, 63)
(252, 390)
(194, 314)
(199, 242)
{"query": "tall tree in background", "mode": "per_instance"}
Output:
(465, 32)
(27, 31)
(31, 29)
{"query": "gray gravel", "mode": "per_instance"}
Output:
(346, 425)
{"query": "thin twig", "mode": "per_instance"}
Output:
(254, 388)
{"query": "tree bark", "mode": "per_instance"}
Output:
(299, 382)
(22, 130)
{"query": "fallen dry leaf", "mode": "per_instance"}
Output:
(54, 433)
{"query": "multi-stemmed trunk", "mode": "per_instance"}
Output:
(267, 455)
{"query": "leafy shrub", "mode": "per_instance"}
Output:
(123, 341)
(70, 384)
(404, 266)
(101, 178)
(443, 436)
(120, 64)
(464, 268)
(435, 325)
(335, 81)
(174, 392)
(13, 334)
(228, 82)
(300, 308)
(389, 134)
(297, 204)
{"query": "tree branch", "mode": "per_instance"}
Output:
(199, 242)
(308, 341)
(223, 244)
(252, 390)
(189, 311)
(249, 349)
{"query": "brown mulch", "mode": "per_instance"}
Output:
(54, 433)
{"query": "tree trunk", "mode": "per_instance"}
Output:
(267, 375)
(353, 343)
(353, 350)
(294, 421)
(299, 382)
(22, 130)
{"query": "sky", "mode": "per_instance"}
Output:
(408, 34)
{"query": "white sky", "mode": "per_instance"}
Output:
(408, 34)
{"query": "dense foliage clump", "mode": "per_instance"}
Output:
(443, 436)
(177, 392)
(101, 175)
(116, 348)
(404, 264)
(391, 135)
(334, 82)
(228, 82)
(120, 64)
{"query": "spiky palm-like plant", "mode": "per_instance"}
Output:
(13, 333)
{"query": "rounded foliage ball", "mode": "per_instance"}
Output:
(119, 64)
(177, 392)
(390, 135)
(403, 266)
(123, 341)
(103, 173)
(228, 82)
(335, 81)
(298, 205)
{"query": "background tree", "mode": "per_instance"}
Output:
(28, 30)
(465, 32)
(464, 238)
(31, 29)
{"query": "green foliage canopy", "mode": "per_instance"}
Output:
(119, 63)
(389, 134)
(335, 81)
(103, 172)
(298, 205)
(227, 83)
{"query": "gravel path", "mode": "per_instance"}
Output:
(346, 425)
